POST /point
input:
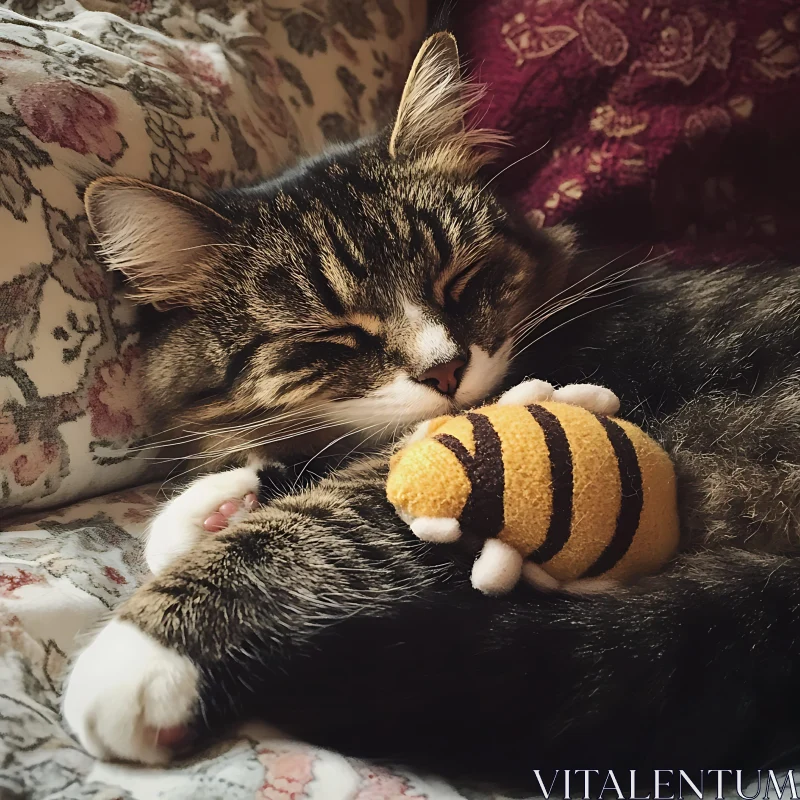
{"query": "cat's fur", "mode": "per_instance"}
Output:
(322, 613)
(328, 290)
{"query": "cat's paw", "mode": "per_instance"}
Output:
(230, 511)
(596, 399)
(196, 511)
(128, 697)
(532, 391)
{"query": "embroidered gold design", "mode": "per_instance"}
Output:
(778, 58)
(678, 54)
(617, 124)
(529, 41)
(603, 39)
(741, 105)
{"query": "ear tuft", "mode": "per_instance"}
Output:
(162, 240)
(430, 122)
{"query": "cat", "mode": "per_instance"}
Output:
(385, 282)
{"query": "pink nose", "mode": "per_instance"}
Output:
(444, 377)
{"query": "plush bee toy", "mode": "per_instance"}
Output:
(565, 496)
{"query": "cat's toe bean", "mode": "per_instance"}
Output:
(128, 697)
(216, 522)
(230, 511)
(229, 507)
(199, 509)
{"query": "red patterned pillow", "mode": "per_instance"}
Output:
(655, 119)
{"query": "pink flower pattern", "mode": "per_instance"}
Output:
(287, 774)
(73, 117)
(115, 402)
(380, 784)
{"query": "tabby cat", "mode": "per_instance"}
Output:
(380, 284)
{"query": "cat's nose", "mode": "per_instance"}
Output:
(444, 377)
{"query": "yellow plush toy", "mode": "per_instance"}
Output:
(564, 496)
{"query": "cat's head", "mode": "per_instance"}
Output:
(381, 280)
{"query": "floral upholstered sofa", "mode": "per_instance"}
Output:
(189, 95)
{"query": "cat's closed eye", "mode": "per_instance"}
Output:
(455, 284)
(363, 273)
(351, 336)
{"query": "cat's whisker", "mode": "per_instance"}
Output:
(356, 448)
(293, 434)
(513, 164)
(195, 435)
(293, 421)
(222, 453)
(327, 447)
(548, 308)
(616, 281)
(572, 286)
(566, 322)
(601, 291)
(218, 245)
(569, 288)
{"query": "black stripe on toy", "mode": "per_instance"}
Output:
(458, 450)
(483, 513)
(561, 477)
(631, 499)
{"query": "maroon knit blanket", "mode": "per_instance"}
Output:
(672, 120)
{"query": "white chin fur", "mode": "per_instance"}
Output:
(401, 402)
(404, 401)
(484, 374)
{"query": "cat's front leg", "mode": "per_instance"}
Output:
(189, 643)
(129, 697)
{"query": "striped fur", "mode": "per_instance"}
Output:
(327, 290)
(322, 613)
(338, 284)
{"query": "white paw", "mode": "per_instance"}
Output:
(124, 689)
(436, 529)
(497, 569)
(532, 391)
(179, 524)
(596, 399)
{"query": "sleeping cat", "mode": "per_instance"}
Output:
(373, 287)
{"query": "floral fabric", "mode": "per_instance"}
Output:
(189, 95)
(60, 572)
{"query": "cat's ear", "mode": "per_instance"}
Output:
(431, 118)
(162, 240)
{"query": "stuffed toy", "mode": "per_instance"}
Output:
(565, 496)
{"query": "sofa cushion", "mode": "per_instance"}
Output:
(189, 96)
